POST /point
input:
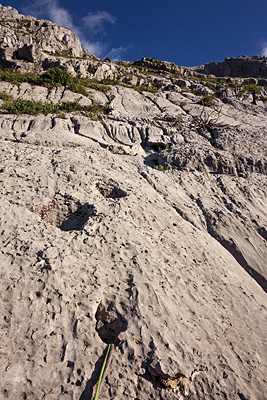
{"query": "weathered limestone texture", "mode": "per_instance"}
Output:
(143, 225)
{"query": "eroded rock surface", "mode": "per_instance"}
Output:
(144, 227)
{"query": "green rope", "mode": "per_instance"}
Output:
(101, 373)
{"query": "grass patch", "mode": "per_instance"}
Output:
(53, 78)
(63, 53)
(152, 88)
(251, 88)
(173, 121)
(16, 77)
(94, 84)
(58, 77)
(159, 167)
(207, 100)
(24, 21)
(36, 107)
(141, 89)
(6, 96)
(186, 90)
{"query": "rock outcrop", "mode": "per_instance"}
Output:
(242, 66)
(133, 215)
(31, 40)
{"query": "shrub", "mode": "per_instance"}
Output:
(55, 77)
(251, 88)
(207, 120)
(182, 104)
(207, 100)
(78, 88)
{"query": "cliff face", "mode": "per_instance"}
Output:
(31, 40)
(243, 66)
(133, 212)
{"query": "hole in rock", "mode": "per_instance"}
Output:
(70, 364)
(110, 190)
(65, 212)
(110, 323)
(263, 232)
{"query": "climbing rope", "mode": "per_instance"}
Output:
(102, 372)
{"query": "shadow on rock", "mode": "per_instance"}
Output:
(76, 220)
(110, 323)
(87, 394)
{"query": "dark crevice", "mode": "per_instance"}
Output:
(110, 323)
(232, 248)
(263, 232)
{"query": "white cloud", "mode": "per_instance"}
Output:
(116, 53)
(264, 49)
(95, 21)
(50, 9)
(97, 48)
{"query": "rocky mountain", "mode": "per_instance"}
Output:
(133, 213)
(237, 66)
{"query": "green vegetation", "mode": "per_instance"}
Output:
(152, 88)
(250, 88)
(52, 78)
(6, 96)
(58, 77)
(36, 107)
(207, 100)
(142, 69)
(55, 77)
(161, 146)
(63, 53)
(159, 167)
(140, 89)
(23, 21)
(16, 77)
(96, 85)
(174, 121)
(186, 90)
(195, 119)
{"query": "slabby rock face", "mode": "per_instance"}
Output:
(145, 228)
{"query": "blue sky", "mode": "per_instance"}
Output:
(182, 31)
